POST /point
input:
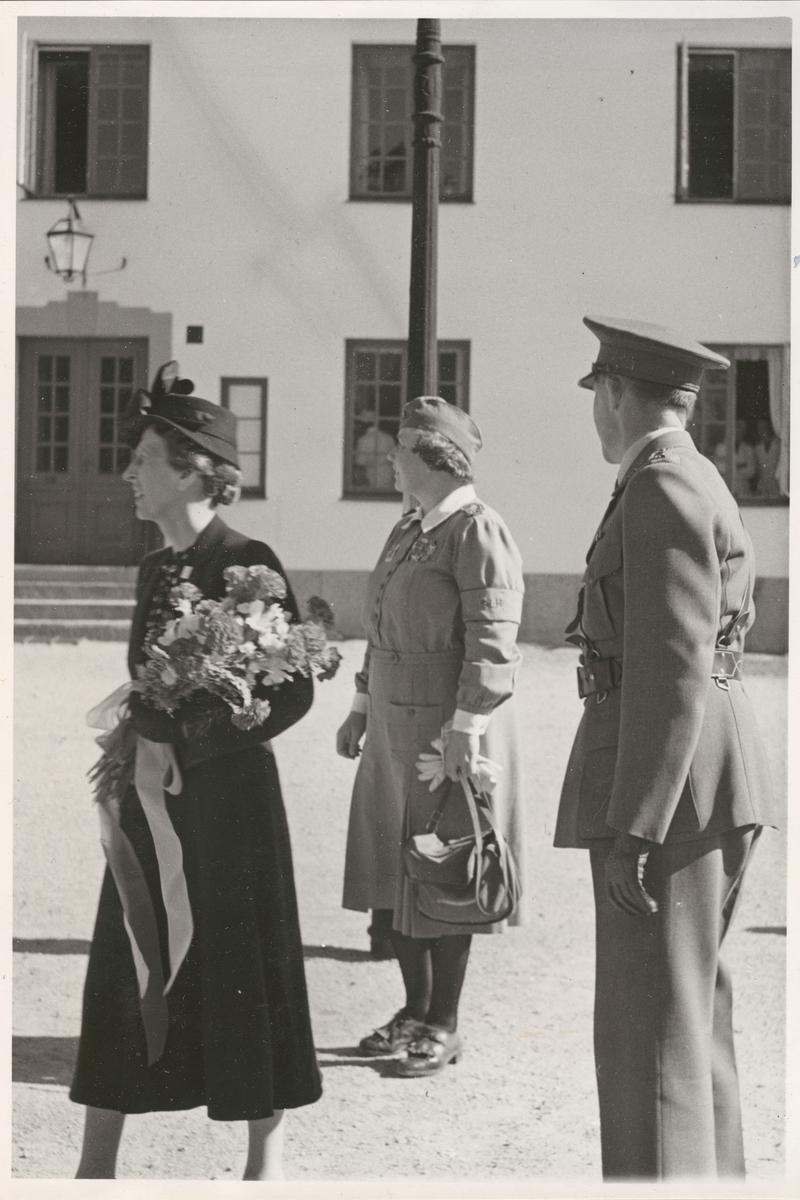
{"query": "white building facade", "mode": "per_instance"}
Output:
(255, 175)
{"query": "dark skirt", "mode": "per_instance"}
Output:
(239, 1037)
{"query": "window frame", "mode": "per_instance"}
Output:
(682, 196)
(729, 350)
(258, 492)
(375, 345)
(393, 198)
(37, 168)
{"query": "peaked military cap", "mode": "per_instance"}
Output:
(437, 416)
(170, 400)
(639, 350)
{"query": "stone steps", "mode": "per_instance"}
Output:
(67, 603)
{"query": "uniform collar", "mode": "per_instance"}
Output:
(670, 435)
(459, 498)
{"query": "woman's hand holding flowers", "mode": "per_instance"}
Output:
(433, 767)
(461, 753)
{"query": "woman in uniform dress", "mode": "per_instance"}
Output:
(214, 861)
(442, 612)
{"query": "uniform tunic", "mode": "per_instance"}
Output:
(672, 757)
(441, 613)
(239, 1037)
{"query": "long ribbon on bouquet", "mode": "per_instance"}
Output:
(156, 772)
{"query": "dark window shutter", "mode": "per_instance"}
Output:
(764, 125)
(118, 121)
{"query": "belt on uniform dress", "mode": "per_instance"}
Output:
(605, 674)
(403, 656)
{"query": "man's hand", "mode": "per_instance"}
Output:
(349, 735)
(461, 752)
(624, 874)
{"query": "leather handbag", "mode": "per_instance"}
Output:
(470, 880)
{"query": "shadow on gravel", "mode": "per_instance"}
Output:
(50, 946)
(43, 1060)
(339, 953)
(346, 1056)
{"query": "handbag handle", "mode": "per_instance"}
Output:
(476, 825)
(438, 812)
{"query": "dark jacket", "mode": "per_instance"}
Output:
(669, 755)
(194, 739)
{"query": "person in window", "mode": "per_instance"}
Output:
(767, 451)
(370, 459)
(213, 862)
(442, 612)
(745, 468)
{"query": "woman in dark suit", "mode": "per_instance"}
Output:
(233, 1030)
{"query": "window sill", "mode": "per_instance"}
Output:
(78, 196)
(407, 199)
(729, 201)
(395, 497)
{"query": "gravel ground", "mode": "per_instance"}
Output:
(520, 1106)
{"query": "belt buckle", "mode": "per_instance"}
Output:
(585, 677)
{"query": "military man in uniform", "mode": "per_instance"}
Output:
(667, 784)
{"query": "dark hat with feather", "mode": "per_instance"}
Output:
(170, 402)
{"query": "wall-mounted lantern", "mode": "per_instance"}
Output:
(69, 245)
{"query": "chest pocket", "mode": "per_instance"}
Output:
(602, 617)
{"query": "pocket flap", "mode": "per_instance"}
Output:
(606, 558)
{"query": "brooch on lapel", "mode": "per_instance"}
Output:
(422, 550)
(473, 510)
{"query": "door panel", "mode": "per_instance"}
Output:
(72, 504)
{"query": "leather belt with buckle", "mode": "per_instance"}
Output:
(602, 675)
(727, 665)
(599, 675)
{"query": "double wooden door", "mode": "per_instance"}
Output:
(72, 503)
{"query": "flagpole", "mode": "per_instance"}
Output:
(422, 349)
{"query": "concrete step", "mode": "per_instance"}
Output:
(47, 572)
(26, 630)
(74, 610)
(63, 589)
(65, 603)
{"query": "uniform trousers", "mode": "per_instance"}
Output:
(663, 1028)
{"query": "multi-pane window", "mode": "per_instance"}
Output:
(741, 422)
(116, 390)
(375, 391)
(381, 151)
(87, 121)
(247, 400)
(735, 131)
(53, 388)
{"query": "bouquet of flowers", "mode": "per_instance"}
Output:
(216, 657)
(237, 648)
